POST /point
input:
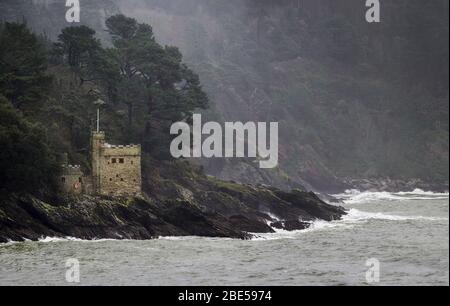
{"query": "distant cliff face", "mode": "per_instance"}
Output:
(352, 99)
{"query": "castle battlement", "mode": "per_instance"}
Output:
(72, 170)
(72, 166)
(116, 169)
(121, 150)
(130, 146)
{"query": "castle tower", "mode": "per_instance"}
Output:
(116, 170)
(120, 170)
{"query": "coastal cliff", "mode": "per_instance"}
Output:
(187, 204)
(41, 132)
(319, 68)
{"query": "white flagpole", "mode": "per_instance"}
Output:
(98, 120)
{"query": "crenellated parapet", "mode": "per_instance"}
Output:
(72, 170)
(121, 150)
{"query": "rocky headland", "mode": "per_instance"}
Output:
(179, 200)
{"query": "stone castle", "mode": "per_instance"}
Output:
(116, 170)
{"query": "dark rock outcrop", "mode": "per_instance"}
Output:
(89, 217)
(290, 225)
(179, 200)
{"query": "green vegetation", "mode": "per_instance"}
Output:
(353, 99)
(48, 92)
(27, 163)
(23, 65)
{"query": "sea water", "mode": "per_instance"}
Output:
(407, 233)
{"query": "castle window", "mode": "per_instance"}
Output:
(63, 179)
(110, 179)
(114, 160)
(121, 179)
(80, 180)
(121, 160)
(117, 175)
(131, 162)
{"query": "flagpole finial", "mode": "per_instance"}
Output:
(99, 104)
(98, 120)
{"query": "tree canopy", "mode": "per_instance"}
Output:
(27, 163)
(172, 90)
(48, 94)
(23, 64)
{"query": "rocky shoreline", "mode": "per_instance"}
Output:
(394, 185)
(178, 200)
(233, 216)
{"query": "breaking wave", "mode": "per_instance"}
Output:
(184, 238)
(68, 239)
(58, 239)
(353, 217)
(354, 196)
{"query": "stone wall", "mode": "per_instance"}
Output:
(120, 170)
(72, 179)
(88, 185)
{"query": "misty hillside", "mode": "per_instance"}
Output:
(354, 100)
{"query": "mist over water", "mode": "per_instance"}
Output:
(352, 99)
(407, 232)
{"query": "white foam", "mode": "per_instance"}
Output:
(354, 196)
(55, 239)
(176, 238)
(316, 225)
(272, 216)
(278, 234)
(68, 239)
(9, 242)
(353, 217)
(418, 191)
(185, 238)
